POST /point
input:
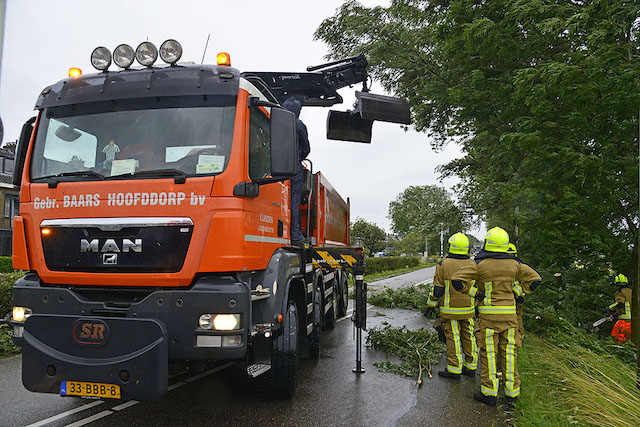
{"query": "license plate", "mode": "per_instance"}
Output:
(77, 388)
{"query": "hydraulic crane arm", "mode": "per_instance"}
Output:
(318, 88)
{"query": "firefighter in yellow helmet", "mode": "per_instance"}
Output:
(457, 311)
(622, 308)
(490, 280)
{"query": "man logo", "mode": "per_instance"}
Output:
(110, 259)
(92, 332)
(110, 245)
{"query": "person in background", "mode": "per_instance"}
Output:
(622, 308)
(293, 105)
(457, 311)
(490, 279)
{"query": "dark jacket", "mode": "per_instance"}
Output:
(293, 105)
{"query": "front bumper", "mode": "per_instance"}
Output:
(145, 330)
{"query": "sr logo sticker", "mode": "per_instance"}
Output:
(91, 332)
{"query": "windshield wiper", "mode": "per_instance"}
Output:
(53, 180)
(180, 176)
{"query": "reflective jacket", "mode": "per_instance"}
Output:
(622, 306)
(453, 304)
(494, 275)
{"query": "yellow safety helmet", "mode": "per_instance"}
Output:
(459, 244)
(621, 278)
(512, 250)
(496, 240)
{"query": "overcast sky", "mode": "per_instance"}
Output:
(44, 38)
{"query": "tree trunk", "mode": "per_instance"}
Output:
(635, 306)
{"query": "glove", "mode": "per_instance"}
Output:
(457, 285)
(520, 300)
(480, 296)
(427, 312)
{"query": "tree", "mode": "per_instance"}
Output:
(542, 96)
(369, 234)
(425, 211)
(411, 244)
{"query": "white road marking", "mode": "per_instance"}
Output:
(64, 414)
(350, 312)
(125, 405)
(209, 372)
(90, 419)
(175, 385)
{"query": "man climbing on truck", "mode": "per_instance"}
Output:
(293, 105)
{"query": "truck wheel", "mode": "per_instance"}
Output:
(314, 337)
(284, 355)
(330, 316)
(343, 291)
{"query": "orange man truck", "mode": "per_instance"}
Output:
(154, 226)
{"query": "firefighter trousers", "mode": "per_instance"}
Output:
(503, 345)
(462, 349)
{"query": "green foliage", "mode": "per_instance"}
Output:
(6, 343)
(387, 263)
(369, 234)
(541, 95)
(409, 297)
(422, 211)
(6, 265)
(6, 291)
(418, 350)
(411, 244)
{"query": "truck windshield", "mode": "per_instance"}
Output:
(122, 138)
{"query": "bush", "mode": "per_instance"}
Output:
(380, 264)
(6, 266)
(409, 297)
(6, 295)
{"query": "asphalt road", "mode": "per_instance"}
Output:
(328, 392)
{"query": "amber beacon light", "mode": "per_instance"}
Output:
(224, 59)
(75, 72)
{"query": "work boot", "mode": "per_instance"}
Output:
(487, 400)
(468, 372)
(446, 374)
(511, 402)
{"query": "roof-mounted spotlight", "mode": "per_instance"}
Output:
(170, 51)
(101, 58)
(146, 54)
(123, 56)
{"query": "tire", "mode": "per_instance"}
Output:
(330, 316)
(313, 339)
(284, 355)
(343, 291)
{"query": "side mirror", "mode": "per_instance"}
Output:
(21, 151)
(284, 143)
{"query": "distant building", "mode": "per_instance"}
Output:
(9, 200)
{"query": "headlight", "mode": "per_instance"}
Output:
(146, 54)
(205, 321)
(226, 322)
(101, 58)
(123, 56)
(20, 314)
(170, 51)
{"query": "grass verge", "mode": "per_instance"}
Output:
(568, 383)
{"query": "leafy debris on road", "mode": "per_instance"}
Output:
(409, 297)
(418, 350)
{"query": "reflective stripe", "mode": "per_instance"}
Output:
(431, 303)
(474, 347)
(517, 289)
(447, 294)
(473, 291)
(457, 345)
(511, 364)
(627, 312)
(457, 310)
(491, 365)
(497, 309)
(488, 287)
(614, 305)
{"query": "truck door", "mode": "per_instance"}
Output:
(268, 214)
